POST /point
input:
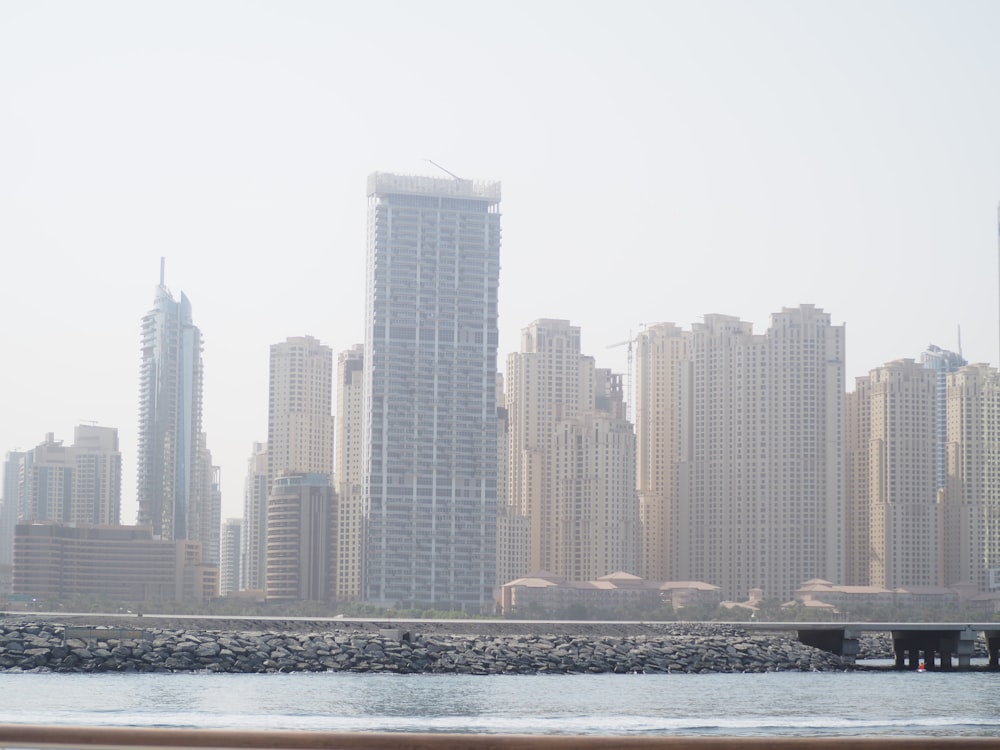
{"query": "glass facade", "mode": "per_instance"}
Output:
(430, 396)
(170, 437)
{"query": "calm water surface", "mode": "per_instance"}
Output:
(789, 703)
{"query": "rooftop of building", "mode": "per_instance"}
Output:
(385, 182)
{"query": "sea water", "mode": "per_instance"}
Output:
(774, 704)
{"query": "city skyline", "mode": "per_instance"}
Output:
(772, 381)
(664, 162)
(235, 496)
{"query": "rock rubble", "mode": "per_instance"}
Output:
(42, 646)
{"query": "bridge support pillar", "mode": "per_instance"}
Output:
(844, 642)
(899, 652)
(947, 644)
(939, 646)
(962, 644)
(907, 650)
(993, 647)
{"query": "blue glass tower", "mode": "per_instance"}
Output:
(169, 480)
(942, 362)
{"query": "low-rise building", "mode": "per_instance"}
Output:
(817, 592)
(611, 594)
(54, 561)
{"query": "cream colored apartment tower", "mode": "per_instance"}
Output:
(760, 499)
(570, 480)
(97, 478)
(299, 416)
(595, 506)
(254, 530)
(660, 369)
(78, 484)
(349, 448)
(547, 381)
(205, 519)
(971, 500)
(299, 427)
(900, 495)
(857, 459)
(229, 556)
(512, 526)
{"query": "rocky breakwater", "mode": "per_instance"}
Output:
(39, 646)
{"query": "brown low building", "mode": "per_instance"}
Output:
(818, 593)
(613, 593)
(53, 562)
(301, 546)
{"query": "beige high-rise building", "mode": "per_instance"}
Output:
(349, 453)
(79, 483)
(97, 477)
(229, 557)
(857, 457)
(46, 485)
(512, 527)
(749, 429)
(543, 387)
(299, 414)
(595, 508)
(660, 359)
(971, 499)
(204, 522)
(254, 531)
(892, 490)
(571, 483)
(300, 428)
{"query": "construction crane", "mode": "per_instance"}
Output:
(628, 375)
(446, 171)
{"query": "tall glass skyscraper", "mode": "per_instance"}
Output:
(170, 472)
(429, 426)
(942, 362)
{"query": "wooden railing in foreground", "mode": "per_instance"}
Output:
(119, 738)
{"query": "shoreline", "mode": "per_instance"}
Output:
(141, 644)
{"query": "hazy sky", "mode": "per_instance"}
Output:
(659, 160)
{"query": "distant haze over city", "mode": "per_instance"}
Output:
(660, 161)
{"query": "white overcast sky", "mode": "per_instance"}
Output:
(660, 161)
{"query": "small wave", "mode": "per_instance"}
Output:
(576, 725)
(757, 705)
